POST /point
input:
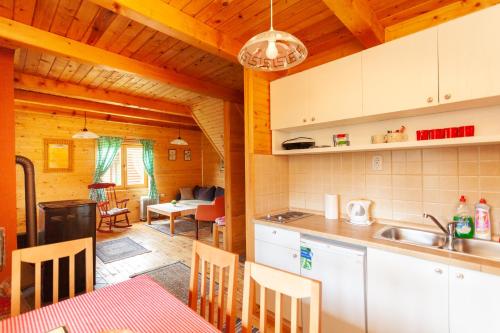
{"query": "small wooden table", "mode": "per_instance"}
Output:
(171, 211)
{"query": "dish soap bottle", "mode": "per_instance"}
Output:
(482, 221)
(465, 224)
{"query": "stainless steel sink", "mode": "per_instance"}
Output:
(473, 247)
(412, 236)
(477, 247)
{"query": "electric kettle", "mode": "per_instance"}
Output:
(359, 212)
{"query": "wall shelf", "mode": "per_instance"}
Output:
(475, 140)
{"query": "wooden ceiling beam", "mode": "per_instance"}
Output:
(360, 19)
(48, 86)
(159, 15)
(435, 17)
(34, 98)
(56, 111)
(14, 34)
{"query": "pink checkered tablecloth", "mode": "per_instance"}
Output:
(139, 304)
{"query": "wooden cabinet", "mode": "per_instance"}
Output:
(474, 301)
(469, 53)
(401, 75)
(290, 101)
(406, 294)
(336, 90)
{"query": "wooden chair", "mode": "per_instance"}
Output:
(209, 213)
(224, 261)
(216, 229)
(52, 252)
(111, 208)
(282, 283)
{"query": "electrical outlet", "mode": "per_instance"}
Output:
(377, 163)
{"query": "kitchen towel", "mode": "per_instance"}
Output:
(331, 206)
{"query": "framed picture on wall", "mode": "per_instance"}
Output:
(58, 155)
(172, 154)
(187, 155)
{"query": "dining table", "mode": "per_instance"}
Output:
(139, 305)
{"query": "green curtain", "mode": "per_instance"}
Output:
(148, 158)
(107, 148)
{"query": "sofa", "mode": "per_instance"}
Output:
(198, 195)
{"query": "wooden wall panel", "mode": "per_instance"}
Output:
(32, 128)
(234, 152)
(209, 114)
(212, 174)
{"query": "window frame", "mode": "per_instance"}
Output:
(123, 168)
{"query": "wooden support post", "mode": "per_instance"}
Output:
(234, 173)
(7, 158)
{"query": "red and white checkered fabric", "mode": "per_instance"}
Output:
(139, 304)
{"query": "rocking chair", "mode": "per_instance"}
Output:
(110, 208)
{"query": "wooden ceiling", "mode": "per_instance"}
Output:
(192, 44)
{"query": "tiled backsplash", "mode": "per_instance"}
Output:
(410, 183)
(271, 183)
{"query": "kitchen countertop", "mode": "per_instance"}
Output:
(317, 225)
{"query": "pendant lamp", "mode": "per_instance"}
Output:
(272, 50)
(85, 133)
(179, 141)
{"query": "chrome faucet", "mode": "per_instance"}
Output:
(449, 231)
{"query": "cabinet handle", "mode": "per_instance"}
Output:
(313, 119)
(430, 99)
(304, 120)
(438, 270)
(460, 276)
(294, 255)
(447, 96)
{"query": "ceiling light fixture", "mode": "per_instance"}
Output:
(272, 50)
(179, 141)
(85, 133)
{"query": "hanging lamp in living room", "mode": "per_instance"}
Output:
(179, 141)
(85, 133)
(272, 50)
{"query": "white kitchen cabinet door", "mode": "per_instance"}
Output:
(401, 74)
(290, 101)
(276, 256)
(474, 301)
(406, 294)
(336, 90)
(469, 53)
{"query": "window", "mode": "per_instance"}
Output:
(127, 169)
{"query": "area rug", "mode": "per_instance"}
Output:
(175, 278)
(118, 249)
(181, 226)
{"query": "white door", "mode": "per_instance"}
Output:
(401, 74)
(406, 294)
(336, 90)
(290, 101)
(278, 257)
(469, 53)
(474, 301)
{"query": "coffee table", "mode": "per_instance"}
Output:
(168, 209)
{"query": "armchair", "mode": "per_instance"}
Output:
(208, 213)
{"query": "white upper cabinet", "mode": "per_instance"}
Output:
(336, 90)
(469, 53)
(401, 74)
(474, 301)
(290, 101)
(406, 294)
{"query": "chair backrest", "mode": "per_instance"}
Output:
(223, 261)
(282, 283)
(52, 252)
(108, 200)
(220, 205)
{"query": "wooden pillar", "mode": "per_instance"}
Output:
(234, 173)
(7, 157)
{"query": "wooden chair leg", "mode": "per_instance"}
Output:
(215, 232)
(128, 222)
(197, 227)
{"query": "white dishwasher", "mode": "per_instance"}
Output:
(341, 269)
